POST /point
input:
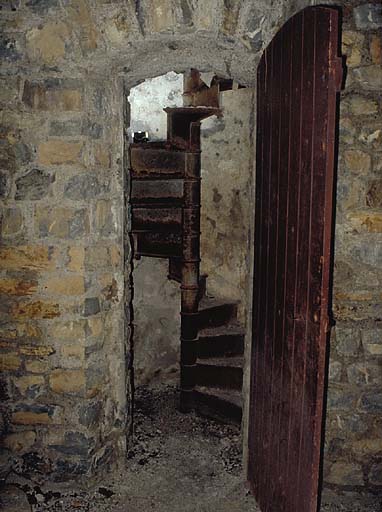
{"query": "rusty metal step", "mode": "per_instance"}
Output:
(148, 161)
(175, 269)
(156, 219)
(216, 312)
(152, 193)
(222, 372)
(158, 245)
(220, 404)
(222, 341)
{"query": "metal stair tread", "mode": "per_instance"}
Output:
(232, 328)
(235, 397)
(207, 303)
(233, 361)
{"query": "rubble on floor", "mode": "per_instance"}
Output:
(177, 462)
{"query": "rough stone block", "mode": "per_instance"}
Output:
(115, 255)
(76, 256)
(17, 287)
(118, 28)
(75, 127)
(71, 330)
(81, 17)
(53, 95)
(36, 309)
(352, 47)
(28, 257)
(376, 49)
(369, 77)
(35, 414)
(62, 222)
(73, 350)
(36, 366)
(375, 476)
(95, 326)
(347, 341)
(335, 371)
(231, 12)
(341, 398)
(9, 361)
(372, 341)
(42, 6)
(347, 131)
(368, 16)
(102, 156)
(10, 48)
(105, 222)
(372, 402)
(59, 152)
(366, 221)
(4, 185)
(20, 330)
(91, 306)
(65, 285)
(367, 251)
(344, 473)
(371, 136)
(364, 373)
(33, 185)
(67, 381)
(20, 442)
(11, 221)
(86, 186)
(360, 106)
(9, 90)
(75, 443)
(96, 257)
(30, 385)
(90, 414)
(36, 350)
(160, 15)
(47, 43)
(367, 447)
(357, 161)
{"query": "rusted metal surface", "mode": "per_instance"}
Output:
(156, 192)
(156, 219)
(183, 126)
(197, 92)
(148, 162)
(165, 201)
(158, 245)
(298, 79)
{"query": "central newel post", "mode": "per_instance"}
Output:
(183, 132)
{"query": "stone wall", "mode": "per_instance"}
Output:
(227, 203)
(354, 420)
(61, 280)
(61, 185)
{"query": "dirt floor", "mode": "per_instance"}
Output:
(179, 463)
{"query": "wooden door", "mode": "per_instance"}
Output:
(298, 77)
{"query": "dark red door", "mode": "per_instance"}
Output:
(298, 77)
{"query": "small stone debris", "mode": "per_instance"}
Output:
(105, 492)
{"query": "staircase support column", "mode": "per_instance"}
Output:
(190, 278)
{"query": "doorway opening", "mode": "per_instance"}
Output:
(223, 154)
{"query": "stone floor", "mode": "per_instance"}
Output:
(178, 463)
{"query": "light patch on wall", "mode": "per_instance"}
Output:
(148, 100)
